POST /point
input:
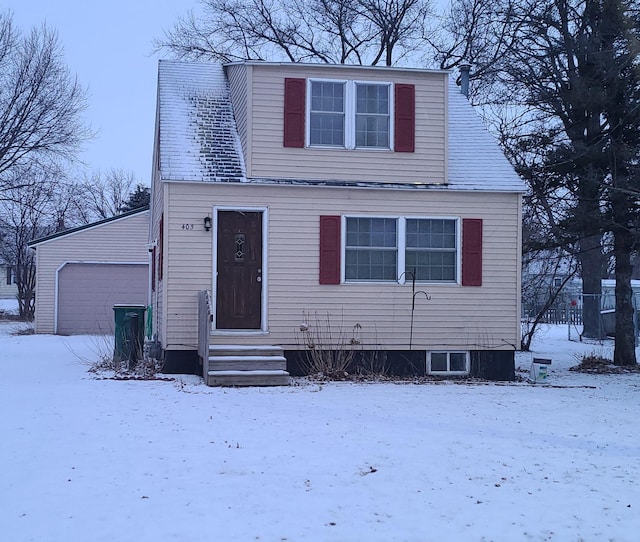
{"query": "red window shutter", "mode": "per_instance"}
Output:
(472, 252)
(294, 112)
(405, 118)
(329, 250)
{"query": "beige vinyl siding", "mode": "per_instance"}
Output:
(158, 296)
(238, 77)
(158, 189)
(122, 240)
(270, 159)
(454, 317)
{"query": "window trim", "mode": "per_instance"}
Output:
(458, 224)
(343, 250)
(401, 248)
(390, 101)
(350, 96)
(449, 372)
(308, 112)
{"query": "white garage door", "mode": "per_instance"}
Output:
(87, 293)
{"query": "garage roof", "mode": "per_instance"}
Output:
(36, 242)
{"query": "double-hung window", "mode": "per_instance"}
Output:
(350, 114)
(327, 113)
(371, 249)
(394, 249)
(431, 249)
(373, 114)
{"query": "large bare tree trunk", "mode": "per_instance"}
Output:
(592, 265)
(622, 213)
(625, 347)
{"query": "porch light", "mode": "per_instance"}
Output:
(207, 223)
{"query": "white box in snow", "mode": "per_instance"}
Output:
(539, 370)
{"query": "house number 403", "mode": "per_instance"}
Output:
(187, 227)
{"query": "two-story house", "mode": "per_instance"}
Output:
(368, 200)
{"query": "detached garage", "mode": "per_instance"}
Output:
(83, 272)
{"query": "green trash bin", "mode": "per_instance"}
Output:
(129, 332)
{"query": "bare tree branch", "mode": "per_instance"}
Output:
(40, 101)
(329, 31)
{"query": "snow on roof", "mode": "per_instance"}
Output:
(199, 140)
(476, 161)
(198, 136)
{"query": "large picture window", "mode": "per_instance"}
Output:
(393, 249)
(350, 114)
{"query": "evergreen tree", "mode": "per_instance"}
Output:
(140, 197)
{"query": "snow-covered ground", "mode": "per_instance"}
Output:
(9, 306)
(92, 460)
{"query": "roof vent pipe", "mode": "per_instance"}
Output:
(465, 68)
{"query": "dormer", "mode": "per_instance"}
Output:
(338, 123)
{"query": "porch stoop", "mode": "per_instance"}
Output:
(236, 365)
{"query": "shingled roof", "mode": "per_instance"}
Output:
(199, 141)
(476, 161)
(198, 136)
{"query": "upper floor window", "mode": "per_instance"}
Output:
(372, 116)
(326, 114)
(349, 114)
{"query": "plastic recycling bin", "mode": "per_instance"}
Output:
(129, 332)
(539, 370)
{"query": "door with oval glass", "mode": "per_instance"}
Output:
(239, 268)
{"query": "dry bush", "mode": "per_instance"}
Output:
(102, 362)
(595, 363)
(328, 348)
(333, 351)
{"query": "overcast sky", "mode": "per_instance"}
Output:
(108, 46)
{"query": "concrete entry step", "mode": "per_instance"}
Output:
(247, 363)
(243, 350)
(240, 365)
(248, 378)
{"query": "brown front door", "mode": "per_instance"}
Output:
(239, 258)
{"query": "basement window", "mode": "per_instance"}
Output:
(448, 363)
